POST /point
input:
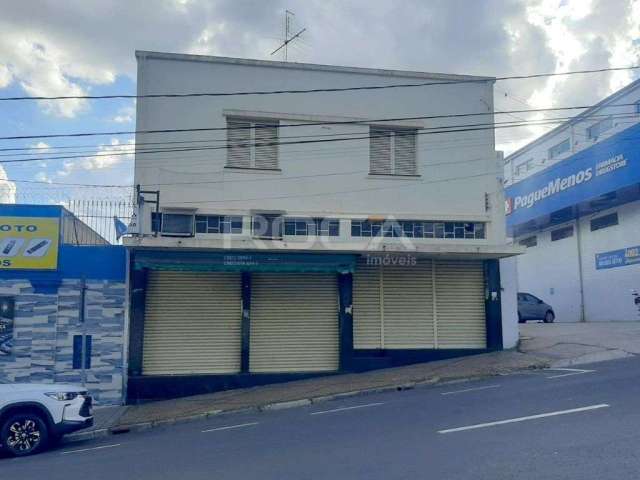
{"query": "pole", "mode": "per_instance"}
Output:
(580, 275)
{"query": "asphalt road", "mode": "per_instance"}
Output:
(553, 424)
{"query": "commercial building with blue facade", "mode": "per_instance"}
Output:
(62, 317)
(573, 199)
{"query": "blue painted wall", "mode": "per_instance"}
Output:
(605, 167)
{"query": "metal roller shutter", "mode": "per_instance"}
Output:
(192, 323)
(294, 323)
(367, 309)
(408, 306)
(393, 306)
(460, 304)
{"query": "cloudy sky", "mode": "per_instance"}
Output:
(87, 47)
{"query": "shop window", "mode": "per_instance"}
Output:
(604, 221)
(560, 233)
(267, 226)
(529, 242)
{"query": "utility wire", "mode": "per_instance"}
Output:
(308, 124)
(424, 131)
(321, 90)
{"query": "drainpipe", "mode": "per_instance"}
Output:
(83, 301)
(580, 277)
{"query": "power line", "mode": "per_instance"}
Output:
(320, 90)
(423, 131)
(307, 124)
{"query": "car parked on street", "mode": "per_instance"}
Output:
(531, 307)
(33, 416)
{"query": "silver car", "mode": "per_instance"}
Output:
(531, 307)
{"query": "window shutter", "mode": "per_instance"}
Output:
(238, 139)
(380, 152)
(266, 149)
(405, 153)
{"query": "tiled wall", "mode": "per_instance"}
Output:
(44, 327)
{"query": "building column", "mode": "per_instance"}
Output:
(345, 320)
(493, 304)
(246, 322)
(136, 324)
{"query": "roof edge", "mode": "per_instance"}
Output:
(308, 66)
(578, 118)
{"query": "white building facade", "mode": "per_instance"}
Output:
(295, 234)
(573, 200)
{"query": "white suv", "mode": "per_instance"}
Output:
(33, 415)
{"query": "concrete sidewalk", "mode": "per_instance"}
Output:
(542, 345)
(566, 344)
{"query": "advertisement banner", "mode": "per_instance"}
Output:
(618, 258)
(29, 243)
(604, 167)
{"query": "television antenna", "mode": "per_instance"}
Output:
(287, 31)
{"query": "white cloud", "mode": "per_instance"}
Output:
(42, 177)
(106, 157)
(5, 76)
(40, 147)
(125, 115)
(7, 188)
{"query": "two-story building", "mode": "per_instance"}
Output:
(573, 200)
(284, 235)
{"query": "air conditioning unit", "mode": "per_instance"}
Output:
(178, 223)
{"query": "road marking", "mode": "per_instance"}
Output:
(572, 371)
(230, 427)
(469, 390)
(347, 408)
(90, 449)
(523, 419)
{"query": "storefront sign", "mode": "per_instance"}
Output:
(7, 309)
(618, 258)
(29, 243)
(605, 167)
(245, 261)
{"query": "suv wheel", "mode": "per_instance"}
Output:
(23, 434)
(549, 317)
(520, 319)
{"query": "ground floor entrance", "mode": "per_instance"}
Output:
(201, 322)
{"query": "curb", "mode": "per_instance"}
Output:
(143, 426)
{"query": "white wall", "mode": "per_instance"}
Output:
(456, 169)
(509, 306)
(554, 266)
(607, 292)
(550, 271)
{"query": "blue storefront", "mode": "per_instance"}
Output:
(62, 315)
(580, 222)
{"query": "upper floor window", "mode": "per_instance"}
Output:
(417, 229)
(529, 242)
(392, 152)
(597, 129)
(524, 167)
(638, 106)
(605, 221)
(559, 149)
(252, 144)
(309, 227)
(218, 224)
(267, 226)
